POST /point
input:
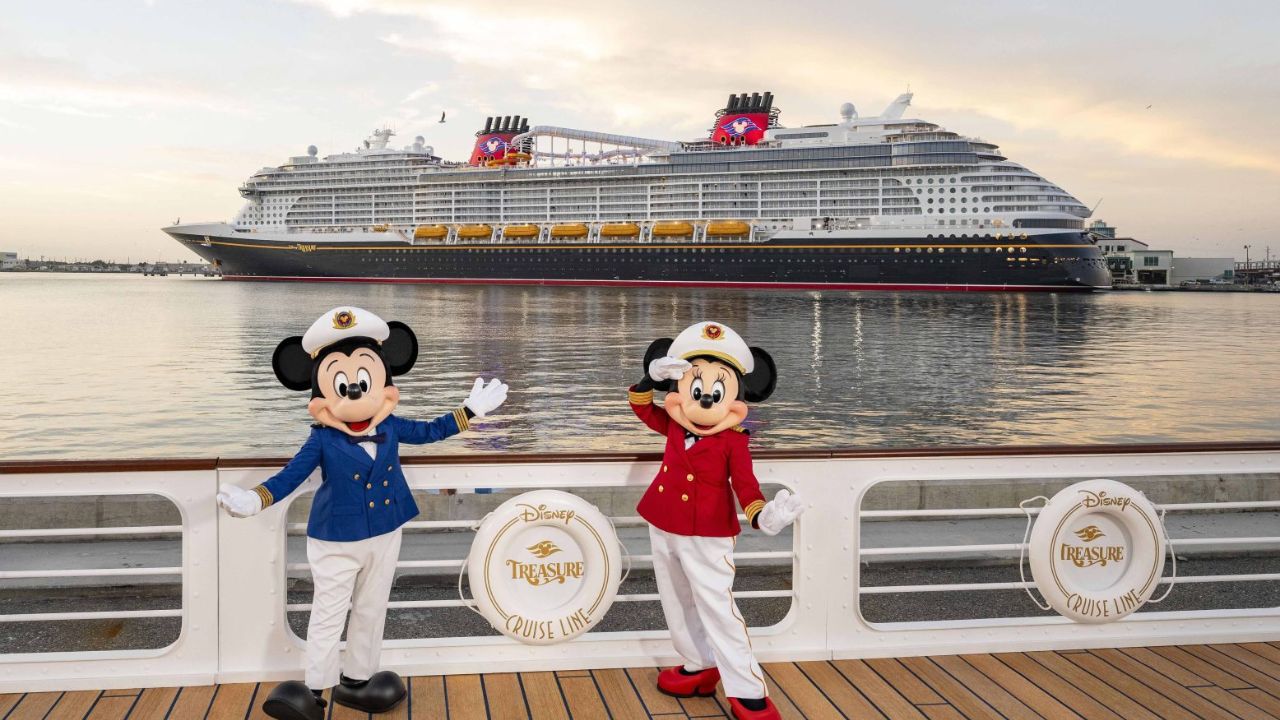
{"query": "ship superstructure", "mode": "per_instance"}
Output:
(881, 186)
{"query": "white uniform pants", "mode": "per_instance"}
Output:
(356, 575)
(695, 582)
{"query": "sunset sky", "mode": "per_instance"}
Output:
(117, 118)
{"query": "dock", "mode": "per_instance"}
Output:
(1194, 681)
(837, 635)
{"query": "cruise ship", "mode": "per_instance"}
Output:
(865, 203)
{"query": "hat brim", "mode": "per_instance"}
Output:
(717, 355)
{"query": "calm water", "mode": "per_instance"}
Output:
(124, 366)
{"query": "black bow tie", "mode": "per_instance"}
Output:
(378, 438)
(690, 434)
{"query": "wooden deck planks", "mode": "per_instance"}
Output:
(1267, 702)
(1207, 681)
(845, 696)
(645, 682)
(1080, 702)
(116, 707)
(192, 702)
(74, 705)
(807, 697)
(619, 695)
(904, 681)
(231, 702)
(882, 694)
(506, 699)
(996, 696)
(582, 697)
(426, 697)
(1209, 672)
(9, 702)
(950, 689)
(543, 697)
(34, 706)
(1093, 687)
(154, 704)
(465, 697)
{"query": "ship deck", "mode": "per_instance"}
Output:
(1190, 681)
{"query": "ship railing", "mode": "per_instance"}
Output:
(232, 621)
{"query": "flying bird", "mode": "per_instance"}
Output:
(1148, 107)
(442, 116)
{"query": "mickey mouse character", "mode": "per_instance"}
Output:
(708, 372)
(347, 358)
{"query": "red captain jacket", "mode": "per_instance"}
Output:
(691, 494)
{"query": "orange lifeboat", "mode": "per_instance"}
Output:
(430, 232)
(672, 229)
(520, 231)
(473, 232)
(727, 228)
(619, 230)
(570, 230)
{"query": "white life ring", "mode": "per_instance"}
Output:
(544, 567)
(1097, 551)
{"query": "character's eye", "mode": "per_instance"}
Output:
(695, 388)
(717, 391)
(340, 384)
(362, 376)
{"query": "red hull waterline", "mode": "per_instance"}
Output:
(924, 287)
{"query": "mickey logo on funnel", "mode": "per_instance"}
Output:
(739, 126)
(493, 146)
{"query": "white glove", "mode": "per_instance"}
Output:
(485, 399)
(668, 368)
(238, 503)
(780, 513)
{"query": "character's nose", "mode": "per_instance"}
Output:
(354, 392)
(706, 402)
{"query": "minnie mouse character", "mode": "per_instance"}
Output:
(708, 372)
(347, 359)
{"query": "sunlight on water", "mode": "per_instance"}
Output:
(124, 366)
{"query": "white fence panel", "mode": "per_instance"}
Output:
(193, 658)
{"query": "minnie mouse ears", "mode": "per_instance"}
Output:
(758, 384)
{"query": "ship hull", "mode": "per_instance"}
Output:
(1060, 261)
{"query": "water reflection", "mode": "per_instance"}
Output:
(163, 367)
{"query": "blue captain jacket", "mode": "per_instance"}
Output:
(359, 497)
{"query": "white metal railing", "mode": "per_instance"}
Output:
(235, 573)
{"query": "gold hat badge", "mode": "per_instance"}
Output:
(344, 320)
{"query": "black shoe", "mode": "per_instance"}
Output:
(378, 694)
(293, 700)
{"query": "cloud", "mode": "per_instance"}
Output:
(638, 74)
(424, 91)
(67, 87)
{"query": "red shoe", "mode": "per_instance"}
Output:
(741, 713)
(700, 684)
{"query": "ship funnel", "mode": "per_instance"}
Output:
(494, 141)
(744, 119)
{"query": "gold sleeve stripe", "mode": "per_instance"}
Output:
(752, 510)
(265, 496)
(640, 398)
(460, 417)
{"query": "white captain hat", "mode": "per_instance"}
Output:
(715, 340)
(343, 323)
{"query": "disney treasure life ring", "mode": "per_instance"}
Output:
(545, 567)
(1097, 551)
